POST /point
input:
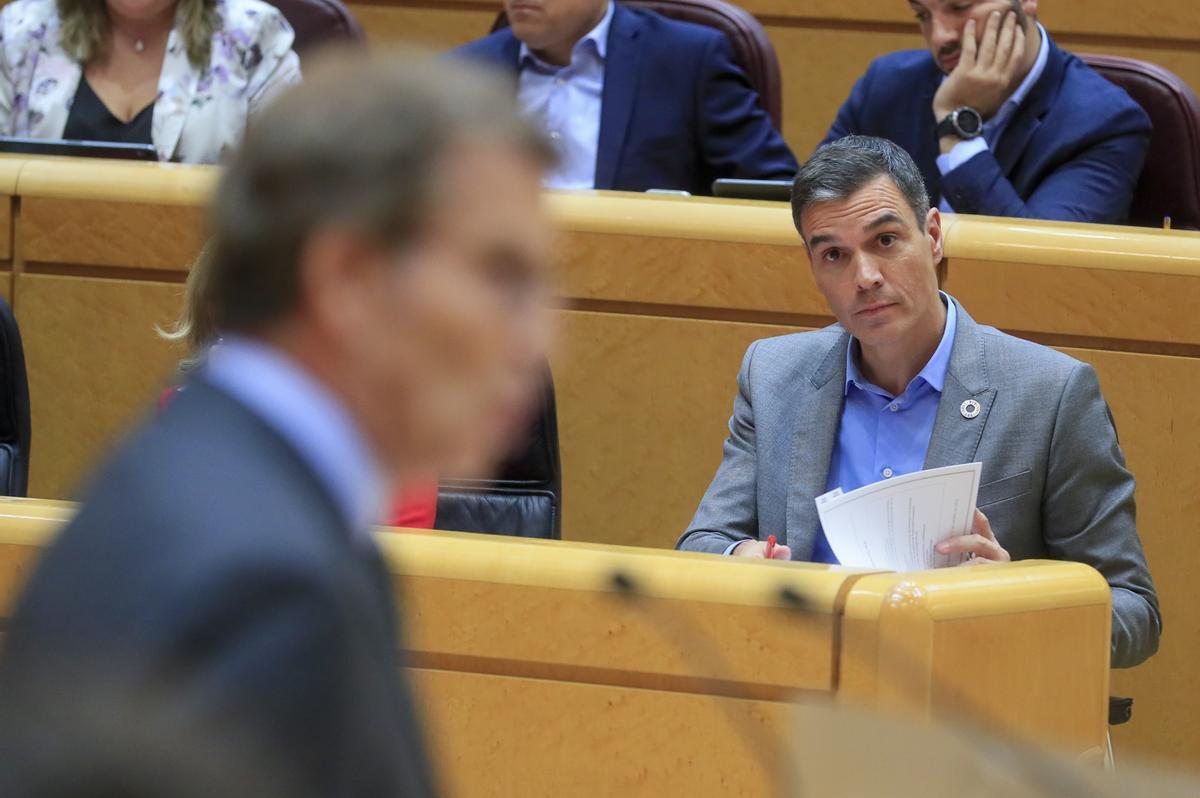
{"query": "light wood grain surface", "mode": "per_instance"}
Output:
(537, 678)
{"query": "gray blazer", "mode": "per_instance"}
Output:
(1054, 481)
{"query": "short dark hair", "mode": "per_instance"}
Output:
(842, 167)
(357, 144)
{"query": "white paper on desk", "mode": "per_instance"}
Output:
(895, 523)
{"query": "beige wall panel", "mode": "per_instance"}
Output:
(604, 637)
(96, 233)
(690, 272)
(507, 731)
(1158, 424)
(436, 28)
(94, 363)
(6, 244)
(819, 68)
(972, 651)
(1129, 306)
(642, 409)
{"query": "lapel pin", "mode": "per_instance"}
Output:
(969, 408)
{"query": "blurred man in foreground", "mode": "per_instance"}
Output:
(379, 276)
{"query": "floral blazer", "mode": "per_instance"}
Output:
(199, 114)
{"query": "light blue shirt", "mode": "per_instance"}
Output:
(309, 417)
(566, 102)
(994, 128)
(879, 435)
(882, 436)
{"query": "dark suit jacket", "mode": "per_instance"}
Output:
(677, 111)
(1073, 151)
(208, 562)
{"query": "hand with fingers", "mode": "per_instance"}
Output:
(989, 69)
(980, 545)
(758, 548)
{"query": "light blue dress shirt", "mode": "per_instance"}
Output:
(566, 102)
(882, 436)
(309, 417)
(994, 128)
(879, 435)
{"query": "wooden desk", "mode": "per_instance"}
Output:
(824, 46)
(538, 678)
(663, 295)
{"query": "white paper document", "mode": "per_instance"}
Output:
(895, 523)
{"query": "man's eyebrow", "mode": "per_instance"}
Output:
(891, 217)
(816, 241)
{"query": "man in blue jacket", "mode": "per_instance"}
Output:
(633, 100)
(1001, 121)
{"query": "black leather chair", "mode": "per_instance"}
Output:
(525, 498)
(319, 22)
(1170, 181)
(751, 47)
(14, 408)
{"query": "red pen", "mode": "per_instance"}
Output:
(770, 546)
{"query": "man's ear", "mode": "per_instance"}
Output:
(933, 231)
(1030, 8)
(336, 265)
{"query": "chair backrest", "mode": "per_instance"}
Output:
(1170, 181)
(319, 22)
(525, 498)
(751, 47)
(14, 408)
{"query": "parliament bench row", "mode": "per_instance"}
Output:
(558, 668)
(660, 298)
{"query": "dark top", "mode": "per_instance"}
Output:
(1072, 151)
(676, 112)
(209, 562)
(90, 120)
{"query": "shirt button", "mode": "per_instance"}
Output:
(559, 82)
(554, 135)
(894, 408)
(888, 473)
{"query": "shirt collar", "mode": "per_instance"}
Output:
(597, 38)
(934, 372)
(309, 417)
(1035, 74)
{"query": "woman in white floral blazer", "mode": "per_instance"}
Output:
(221, 61)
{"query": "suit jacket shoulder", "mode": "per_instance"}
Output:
(785, 360)
(499, 49)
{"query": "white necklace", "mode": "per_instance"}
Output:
(139, 46)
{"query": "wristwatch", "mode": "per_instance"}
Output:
(964, 122)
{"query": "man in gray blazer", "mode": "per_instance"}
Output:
(908, 380)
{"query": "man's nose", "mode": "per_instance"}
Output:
(867, 275)
(944, 34)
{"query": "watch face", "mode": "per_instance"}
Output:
(968, 121)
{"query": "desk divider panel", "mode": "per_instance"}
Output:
(538, 676)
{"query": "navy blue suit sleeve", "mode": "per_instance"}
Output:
(1094, 186)
(737, 138)
(270, 656)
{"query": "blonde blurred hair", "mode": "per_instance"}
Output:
(194, 328)
(87, 32)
